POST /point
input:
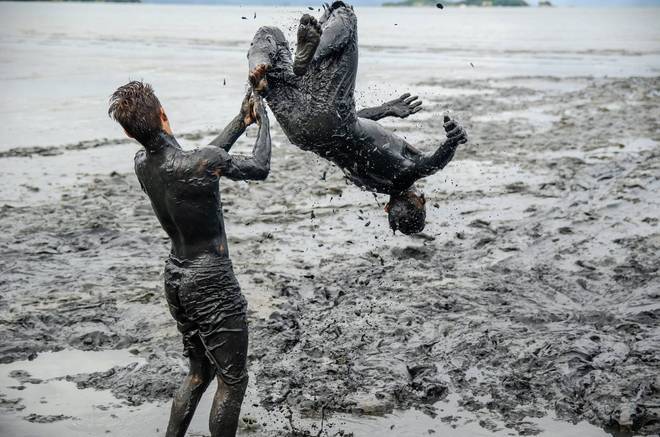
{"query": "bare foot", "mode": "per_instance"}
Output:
(309, 36)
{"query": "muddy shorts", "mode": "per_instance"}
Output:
(206, 301)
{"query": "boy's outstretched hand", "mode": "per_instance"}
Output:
(247, 109)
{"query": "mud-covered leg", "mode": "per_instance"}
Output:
(269, 50)
(229, 353)
(339, 26)
(309, 36)
(427, 165)
(187, 397)
(227, 408)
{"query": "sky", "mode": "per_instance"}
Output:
(379, 2)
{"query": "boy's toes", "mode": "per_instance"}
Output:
(306, 19)
(309, 29)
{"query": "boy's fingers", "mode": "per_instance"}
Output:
(455, 131)
(409, 100)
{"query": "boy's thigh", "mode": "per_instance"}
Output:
(227, 346)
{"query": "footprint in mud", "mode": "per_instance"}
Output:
(24, 377)
(14, 404)
(410, 252)
(38, 418)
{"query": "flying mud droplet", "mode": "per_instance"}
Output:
(440, 6)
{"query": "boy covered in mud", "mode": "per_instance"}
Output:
(202, 292)
(312, 97)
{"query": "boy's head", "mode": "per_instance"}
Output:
(406, 211)
(137, 109)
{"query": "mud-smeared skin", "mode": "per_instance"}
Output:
(536, 289)
(312, 99)
(309, 37)
(202, 293)
(400, 107)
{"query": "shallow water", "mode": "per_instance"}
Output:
(61, 61)
(59, 408)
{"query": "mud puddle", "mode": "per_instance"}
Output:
(39, 397)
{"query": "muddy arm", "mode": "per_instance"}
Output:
(426, 165)
(233, 131)
(230, 134)
(254, 167)
(401, 107)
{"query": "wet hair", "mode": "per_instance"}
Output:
(137, 109)
(407, 212)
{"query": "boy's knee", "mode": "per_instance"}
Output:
(201, 370)
(198, 379)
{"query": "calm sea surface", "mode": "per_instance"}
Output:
(60, 61)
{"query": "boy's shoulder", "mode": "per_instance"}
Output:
(140, 160)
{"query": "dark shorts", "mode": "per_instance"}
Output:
(210, 311)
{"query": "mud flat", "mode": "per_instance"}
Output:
(530, 306)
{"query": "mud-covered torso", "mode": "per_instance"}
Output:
(186, 199)
(370, 156)
(376, 159)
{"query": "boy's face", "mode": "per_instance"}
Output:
(165, 122)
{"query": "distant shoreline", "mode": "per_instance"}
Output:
(461, 3)
(388, 4)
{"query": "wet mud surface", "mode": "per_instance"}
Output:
(534, 289)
